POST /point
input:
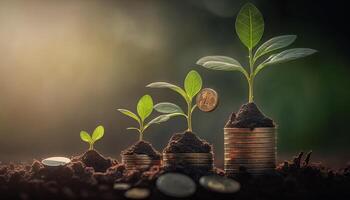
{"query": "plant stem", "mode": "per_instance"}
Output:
(189, 116)
(91, 146)
(141, 131)
(251, 77)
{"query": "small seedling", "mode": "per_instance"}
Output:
(192, 85)
(250, 28)
(144, 110)
(96, 135)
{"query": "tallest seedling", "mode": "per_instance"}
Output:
(250, 29)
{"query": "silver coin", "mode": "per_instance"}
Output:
(220, 184)
(176, 185)
(121, 186)
(137, 193)
(55, 161)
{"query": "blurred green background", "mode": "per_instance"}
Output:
(66, 66)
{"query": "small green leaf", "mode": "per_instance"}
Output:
(193, 84)
(274, 44)
(249, 25)
(284, 56)
(166, 107)
(85, 136)
(145, 106)
(130, 114)
(98, 133)
(169, 86)
(222, 63)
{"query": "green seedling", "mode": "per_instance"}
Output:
(192, 85)
(96, 135)
(144, 110)
(250, 28)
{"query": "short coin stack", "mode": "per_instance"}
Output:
(139, 161)
(202, 160)
(253, 149)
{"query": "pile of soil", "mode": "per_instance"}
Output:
(249, 116)
(142, 147)
(94, 159)
(295, 179)
(187, 142)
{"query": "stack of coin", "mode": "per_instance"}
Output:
(139, 161)
(253, 149)
(202, 160)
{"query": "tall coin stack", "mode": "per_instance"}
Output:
(139, 162)
(253, 149)
(200, 160)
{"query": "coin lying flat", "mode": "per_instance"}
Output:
(137, 193)
(121, 186)
(55, 161)
(220, 184)
(176, 185)
(207, 100)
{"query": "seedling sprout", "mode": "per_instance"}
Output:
(250, 28)
(192, 85)
(144, 110)
(96, 135)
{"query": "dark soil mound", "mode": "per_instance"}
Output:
(249, 116)
(95, 160)
(296, 179)
(142, 147)
(187, 142)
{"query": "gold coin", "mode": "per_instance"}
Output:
(137, 193)
(207, 100)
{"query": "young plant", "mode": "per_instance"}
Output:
(144, 110)
(250, 28)
(192, 85)
(96, 135)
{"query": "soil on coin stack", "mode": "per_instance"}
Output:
(94, 159)
(249, 116)
(295, 179)
(187, 142)
(142, 147)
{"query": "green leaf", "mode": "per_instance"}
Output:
(130, 114)
(85, 136)
(145, 106)
(274, 44)
(193, 84)
(249, 25)
(284, 56)
(222, 63)
(157, 120)
(169, 86)
(166, 107)
(98, 133)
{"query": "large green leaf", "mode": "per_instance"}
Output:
(274, 44)
(145, 106)
(98, 133)
(130, 114)
(193, 83)
(85, 136)
(222, 63)
(169, 86)
(166, 107)
(249, 25)
(158, 120)
(284, 56)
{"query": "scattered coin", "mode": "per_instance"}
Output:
(207, 100)
(137, 193)
(121, 186)
(220, 184)
(55, 161)
(176, 185)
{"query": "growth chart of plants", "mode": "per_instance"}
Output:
(173, 100)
